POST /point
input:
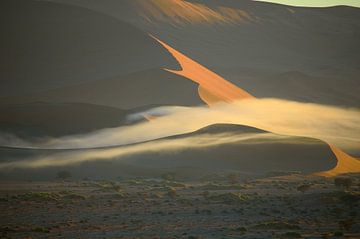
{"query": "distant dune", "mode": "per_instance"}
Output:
(75, 66)
(32, 120)
(266, 154)
(47, 45)
(152, 86)
(252, 44)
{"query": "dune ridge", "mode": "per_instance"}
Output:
(180, 12)
(214, 89)
(345, 164)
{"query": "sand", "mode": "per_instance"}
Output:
(213, 89)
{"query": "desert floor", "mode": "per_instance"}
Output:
(272, 207)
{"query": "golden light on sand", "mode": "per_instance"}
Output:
(345, 164)
(213, 88)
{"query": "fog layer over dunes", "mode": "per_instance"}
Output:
(289, 135)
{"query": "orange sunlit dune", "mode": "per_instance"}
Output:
(345, 164)
(214, 89)
(207, 96)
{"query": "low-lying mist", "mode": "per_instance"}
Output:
(334, 125)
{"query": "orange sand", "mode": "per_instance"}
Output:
(213, 89)
(345, 164)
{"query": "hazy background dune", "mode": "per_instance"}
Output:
(49, 45)
(252, 44)
(78, 69)
(147, 87)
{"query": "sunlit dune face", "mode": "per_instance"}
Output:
(345, 164)
(208, 97)
(181, 12)
(229, 104)
(213, 88)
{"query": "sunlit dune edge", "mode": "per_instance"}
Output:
(213, 89)
(345, 164)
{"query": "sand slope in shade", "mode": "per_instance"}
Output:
(345, 164)
(213, 88)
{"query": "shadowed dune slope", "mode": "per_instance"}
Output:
(298, 86)
(254, 156)
(239, 39)
(153, 86)
(57, 119)
(345, 164)
(47, 45)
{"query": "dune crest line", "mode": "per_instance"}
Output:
(345, 163)
(215, 89)
(212, 87)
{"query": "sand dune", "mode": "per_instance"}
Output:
(46, 45)
(321, 43)
(39, 120)
(125, 91)
(181, 12)
(213, 88)
(248, 43)
(345, 164)
(173, 12)
(213, 149)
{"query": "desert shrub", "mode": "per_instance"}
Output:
(227, 197)
(73, 196)
(343, 182)
(241, 229)
(233, 178)
(346, 224)
(109, 186)
(194, 237)
(32, 196)
(174, 184)
(63, 175)
(325, 235)
(303, 188)
(40, 229)
(338, 234)
(172, 192)
(215, 186)
(49, 196)
(168, 176)
(350, 197)
(276, 225)
(291, 235)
